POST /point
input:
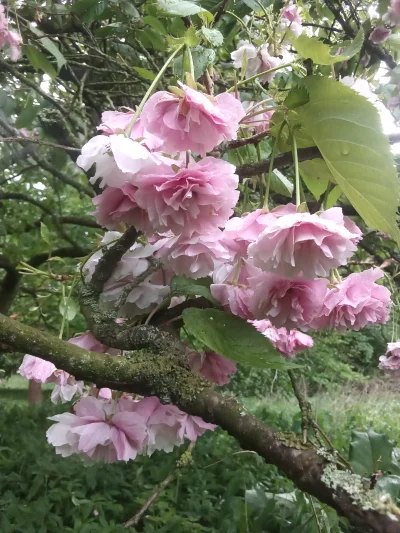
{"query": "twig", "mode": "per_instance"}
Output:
(254, 139)
(304, 404)
(185, 460)
(154, 265)
(37, 141)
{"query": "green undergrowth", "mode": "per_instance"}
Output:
(226, 490)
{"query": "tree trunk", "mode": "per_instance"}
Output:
(35, 395)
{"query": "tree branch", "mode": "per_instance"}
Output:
(37, 141)
(166, 378)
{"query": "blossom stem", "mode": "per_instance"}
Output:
(259, 75)
(190, 57)
(296, 170)
(240, 21)
(271, 165)
(151, 89)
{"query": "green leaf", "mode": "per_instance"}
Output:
(333, 197)
(389, 485)
(39, 61)
(68, 308)
(322, 54)
(183, 286)
(316, 175)
(233, 337)
(370, 452)
(45, 233)
(280, 184)
(202, 58)
(297, 96)
(180, 8)
(129, 9)
(28, 114)
(89, 10)
(214, 37)
(49, 45)
(155, 24)
(145, 74)
(347, 129)
(190, 39)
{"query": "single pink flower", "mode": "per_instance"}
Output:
(37, 369)
(195, 121)
(114, 122)
(199, 198)
(292, 19)
(257, 60)
(379, 34)
(391, 360)
(118, 204)
(193, 427)
(288, 343)
(305, 243)
(212, 366)
(291, 303)
(230, 287)
(257, 122)
(65, 388)
(86, 341)
(11, 38)
(196, 256)
(356, 302)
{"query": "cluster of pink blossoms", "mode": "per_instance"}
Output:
(391, 361)
(269, 268)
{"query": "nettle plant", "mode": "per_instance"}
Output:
(207, 260)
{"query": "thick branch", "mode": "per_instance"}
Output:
(164, 377)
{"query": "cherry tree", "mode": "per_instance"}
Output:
(174, 120)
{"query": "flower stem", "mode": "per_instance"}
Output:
(271, 165)
(191, 65)
(151, 89)
(259, 75)
(296, 169)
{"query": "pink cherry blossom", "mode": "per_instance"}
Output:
(195, 121)
(193, 427)
(65, 388)
(392, 16)
(257, 59)
(114, 122)
(212, 366)
(117, 159)
(37, 369)
(11, 38)
(292, 18)
(356, 302)
(195, 199)
(286, 342)
(239, 232)
(118, 204)
(391, 360)
(94, 430)
(379, 34)
(305, 243)
(196, 256)
(291, 303)
(230, 287)
(258, 122)
(86, 341)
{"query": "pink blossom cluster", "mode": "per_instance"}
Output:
(119, 430)
(10, 38)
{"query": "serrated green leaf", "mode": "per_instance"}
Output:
(68, 308)
(322, 54)
(347, 129)
(45, 233)
(181, 8)
(297, 97)
(370, 452)
(213, 36)
(39, 61)
(145, 74)
(183, 286)
(233, 338)
(316, 175)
